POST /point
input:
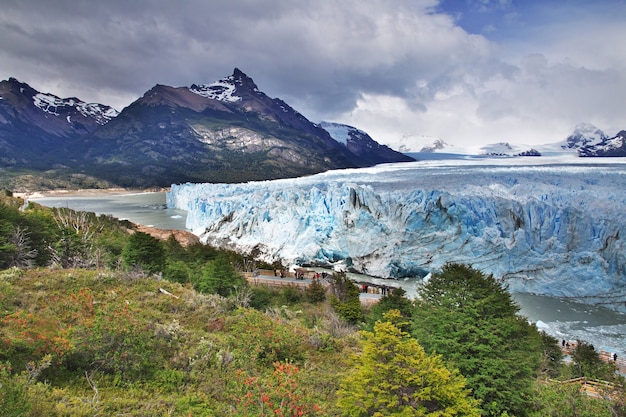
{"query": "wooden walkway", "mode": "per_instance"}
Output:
(596, 389)
(620, 363)
(273, 279)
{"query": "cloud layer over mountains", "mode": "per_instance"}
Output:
(426, 67)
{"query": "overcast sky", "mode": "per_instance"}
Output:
(467, 71)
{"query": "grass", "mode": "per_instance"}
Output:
(115, 343)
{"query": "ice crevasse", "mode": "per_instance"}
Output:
(553, 229)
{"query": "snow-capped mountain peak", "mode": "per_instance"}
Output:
(611, 147)
(437, 145)
(362, 144)
(226, 89)
(584, 134)
(340, 132)
(69, 115)
(222, 90)
(413, 142)
(56, 106)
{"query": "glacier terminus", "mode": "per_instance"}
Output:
(549, 225)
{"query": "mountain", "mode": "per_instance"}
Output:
(588, 141)
(585, 140)
(505, 149)
(552, 228)
(226, 131)
(615, 146)
(37, 129)
(411, 143)
(584, 134)
(432, 145)
(437, 145)
(361, 144)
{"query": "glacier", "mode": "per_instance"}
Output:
(547, 225)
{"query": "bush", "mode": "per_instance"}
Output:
(345, 298)
(177, 271)
(115, 340)
(13, 393)
(291, 294)
(315, 292)
(262, 340)
(261, 297)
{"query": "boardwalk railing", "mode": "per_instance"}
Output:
(267, 277)
(593, 388)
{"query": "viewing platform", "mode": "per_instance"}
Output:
(302, 278)
(606, 355)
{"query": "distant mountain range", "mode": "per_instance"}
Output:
(586, 140)
(226, 131)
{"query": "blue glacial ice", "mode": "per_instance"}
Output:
(553, 226)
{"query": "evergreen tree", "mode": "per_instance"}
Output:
(394, 299)
(315, 292)
(586, 362)
(345, 298)
(472, 321)
(395, 377)
(144, 251)
(552, 359)
(219, 277)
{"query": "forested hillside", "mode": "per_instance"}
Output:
(97, 318)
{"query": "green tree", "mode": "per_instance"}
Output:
(219, 277)
(315, 292)
(173, 248)
(586, 361)
(471, 320)
(25, 236)
(552, 359)
(394, 376)
(144, 251)
(177, 271)
(395, 299)
(345, 298)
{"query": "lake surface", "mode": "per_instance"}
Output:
(147, 209)
(564, 319)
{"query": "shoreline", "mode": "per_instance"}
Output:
(85, 192)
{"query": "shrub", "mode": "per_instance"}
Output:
(279, 394)
(315, 292)
(291, 294)
(262, 340)
(261, 297)
(219, 277)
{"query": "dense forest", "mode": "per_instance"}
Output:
(97, 318)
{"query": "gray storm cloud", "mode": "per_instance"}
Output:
(388, 67)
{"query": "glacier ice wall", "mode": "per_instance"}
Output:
(548, 227)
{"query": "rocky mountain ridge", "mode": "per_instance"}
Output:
(226, 131)
(33, 124)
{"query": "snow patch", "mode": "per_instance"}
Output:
(222, 90)
(52, 104)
